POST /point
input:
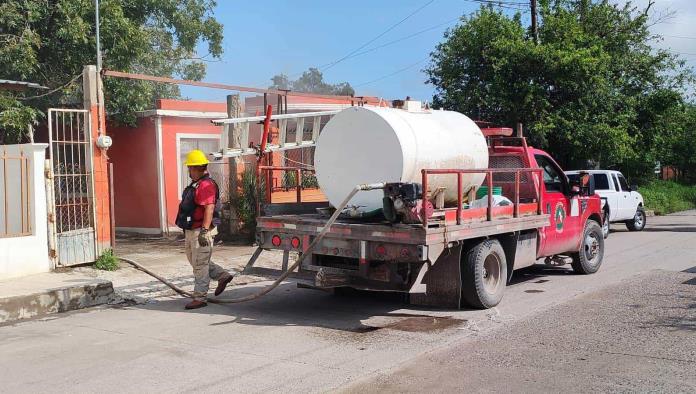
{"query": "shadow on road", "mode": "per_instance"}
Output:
(289, 306)
(675, 228)
(536, 273)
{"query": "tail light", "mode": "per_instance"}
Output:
(381, 250)
(276, 241)
(295, 242)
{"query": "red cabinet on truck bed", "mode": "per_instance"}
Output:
(452, 256)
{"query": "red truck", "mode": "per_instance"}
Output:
(450, 257)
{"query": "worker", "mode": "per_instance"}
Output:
(199, 216)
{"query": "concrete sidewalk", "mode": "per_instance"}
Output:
(82, 287)
(48, 293)
(166, 257)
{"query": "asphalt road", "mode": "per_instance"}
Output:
(630, 327)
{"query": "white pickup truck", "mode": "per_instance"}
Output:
(622, 204)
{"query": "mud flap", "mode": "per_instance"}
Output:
(442, 280)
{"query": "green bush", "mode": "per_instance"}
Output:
(289, 179)
(309, 181)
(665, 197)
(244, 201)
(107, 261)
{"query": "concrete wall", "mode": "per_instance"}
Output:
(27, 254)
(134, 156)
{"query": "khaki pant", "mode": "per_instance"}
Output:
(199, 258)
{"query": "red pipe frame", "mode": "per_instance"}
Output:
(489, 178)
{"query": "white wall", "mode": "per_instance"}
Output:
(27, 254)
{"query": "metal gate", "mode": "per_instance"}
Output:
(73, 221)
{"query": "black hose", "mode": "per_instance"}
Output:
(285, 274)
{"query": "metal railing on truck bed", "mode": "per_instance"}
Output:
(450, 223)
(491, 212)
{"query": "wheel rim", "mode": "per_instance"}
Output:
(605, 226)
(491, 273)
(638, 219)
(591, 248)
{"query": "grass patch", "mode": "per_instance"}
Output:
(665, 197)
(107, 261)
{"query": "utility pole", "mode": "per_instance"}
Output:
(234, 110)
(96, 17)
(535, 30)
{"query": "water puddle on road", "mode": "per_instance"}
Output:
(415, 324)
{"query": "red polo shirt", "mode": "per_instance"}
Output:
(205, 195)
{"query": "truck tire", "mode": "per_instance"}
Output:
(484, 274)
(589, 258)
(638, 221)
(606, 225)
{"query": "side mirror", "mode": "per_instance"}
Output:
(634, 188)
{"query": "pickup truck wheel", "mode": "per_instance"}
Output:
(484, 274)
(638, 221)
(589, 258)
(606, 226)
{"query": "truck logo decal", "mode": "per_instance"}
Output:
(559, 215)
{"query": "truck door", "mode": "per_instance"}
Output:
(628, 208)
(562, 235)
(609, 189)
(622, 194)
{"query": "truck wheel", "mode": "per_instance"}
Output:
(484, 274)
(606, 226)
(638, 221)
(589, 258)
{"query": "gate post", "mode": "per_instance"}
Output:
(94, 103)
(51, 213)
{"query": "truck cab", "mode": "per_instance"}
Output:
(622, 203)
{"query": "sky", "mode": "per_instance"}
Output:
(271, 37)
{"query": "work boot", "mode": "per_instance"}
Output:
(195, 304)
(222, 284)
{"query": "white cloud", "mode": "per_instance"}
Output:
(678, 30)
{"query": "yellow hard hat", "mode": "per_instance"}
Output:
(196, 158)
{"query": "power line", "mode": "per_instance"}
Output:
(400, 39)
(684, 37)
(680, 53)
(61, 87)
(392, 74)
(512, 5)
(392, 27)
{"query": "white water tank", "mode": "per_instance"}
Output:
(369, 144)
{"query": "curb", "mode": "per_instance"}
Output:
(50, 301)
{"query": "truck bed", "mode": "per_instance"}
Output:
(473, 225)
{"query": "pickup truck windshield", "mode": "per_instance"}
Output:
(552, 175)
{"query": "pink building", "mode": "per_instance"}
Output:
(149, 174)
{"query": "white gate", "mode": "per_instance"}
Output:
(73, 223)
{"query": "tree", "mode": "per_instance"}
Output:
(311, 81)
(50, 42)
(679, 142)
(590, 91)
